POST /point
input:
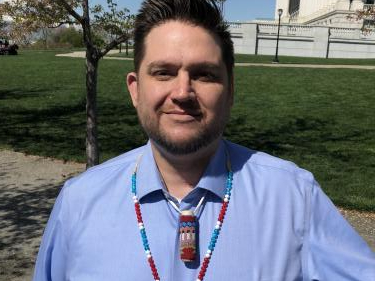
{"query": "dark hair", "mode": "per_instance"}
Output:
(203, 13)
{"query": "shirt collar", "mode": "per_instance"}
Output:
(148, 177)
(213, 179)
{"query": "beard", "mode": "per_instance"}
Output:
(204, 136)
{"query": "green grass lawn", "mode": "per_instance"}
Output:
(283, 59)
(322, 119)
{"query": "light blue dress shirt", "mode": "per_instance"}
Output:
(279, 226)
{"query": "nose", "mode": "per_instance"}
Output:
(183, 90)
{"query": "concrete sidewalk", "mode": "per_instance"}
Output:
(81, 54)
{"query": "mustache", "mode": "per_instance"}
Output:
(186, 107)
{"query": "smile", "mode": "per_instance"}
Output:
(184, 116)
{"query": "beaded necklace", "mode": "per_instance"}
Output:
(215, 233)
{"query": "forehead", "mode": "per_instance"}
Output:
(183, 41)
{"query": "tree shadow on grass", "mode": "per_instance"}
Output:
(295, 132)
(21, 94)
(60, 131)
(44, 131)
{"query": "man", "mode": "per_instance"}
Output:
(190, 205)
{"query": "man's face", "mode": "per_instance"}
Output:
(182, 91)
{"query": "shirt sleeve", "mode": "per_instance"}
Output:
(52, 256)
(335, 251)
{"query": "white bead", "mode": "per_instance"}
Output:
(209, 252)
(227, 196)
(135, 200)
(218, 223)
(217, 226)
(208, 256)
(148, 252)
(148, 256)
(140, 224)
(226, 199)
(141, 227)
(135, 197)
(199, 280)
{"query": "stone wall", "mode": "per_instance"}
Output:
(320, 12)
(302, 40)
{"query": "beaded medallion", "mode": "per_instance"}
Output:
(187, 236)
(214, 236)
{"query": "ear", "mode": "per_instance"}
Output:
(132, 83)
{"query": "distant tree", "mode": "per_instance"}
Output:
(3, 26)
(70, 36)
(120, 22)
(30, 15)
(367, 14)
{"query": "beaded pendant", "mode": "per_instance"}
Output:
(187, 236)
(214, 236)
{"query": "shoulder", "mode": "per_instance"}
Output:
(101, 177)
(247, 159)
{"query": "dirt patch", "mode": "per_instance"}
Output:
(28, 188)
(363, 222)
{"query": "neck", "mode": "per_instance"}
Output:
(181, 173)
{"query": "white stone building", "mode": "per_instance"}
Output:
(332, 13)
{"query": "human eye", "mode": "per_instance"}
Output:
(205, 76)
(162, 74)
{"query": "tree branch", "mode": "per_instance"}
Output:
(70, 10)
(113, 44)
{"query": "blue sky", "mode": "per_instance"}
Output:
(234, 9)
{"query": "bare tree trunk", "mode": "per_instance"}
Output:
(127, 47)
(92, 147)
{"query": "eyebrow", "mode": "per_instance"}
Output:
(195, 66)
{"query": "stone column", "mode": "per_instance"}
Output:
(320, 4)
(357, 5)
(332, 3)
(343, 5)
(282, 4)
(304, 8)
(316, 6)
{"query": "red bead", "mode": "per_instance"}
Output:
(153, 268)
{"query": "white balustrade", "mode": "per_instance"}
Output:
(235, 25)
(351, 33)
(286, 30)
(368, 6)
(303, 40)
